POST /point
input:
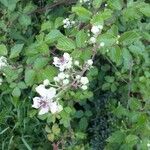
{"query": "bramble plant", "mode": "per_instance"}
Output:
(74, 74)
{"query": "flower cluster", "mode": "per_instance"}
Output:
(71, 75)
(3, 62)
(68, 23)
(96, 30)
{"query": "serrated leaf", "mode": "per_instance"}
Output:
(116, 55)
(55, 129)
(96, 3)
(51, 137)
(83, 13)
(10, 4)
(127, 58)
(15, 50)
(29, 77)
(97, 19)
(66, 44)
(47, 73)
(129, 37)
(83, 123)
(16, 92)
(81, 39)
(115, 4)
(3, 50)
(53, 36)
(24, 20)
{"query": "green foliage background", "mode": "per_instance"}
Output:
(114, 113)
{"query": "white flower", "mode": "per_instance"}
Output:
(90, 62)
(64, 62)
(55, 107)
(93, 40)
(67, 23)
(65, 81)
(148, 145)
(72, 22)
(84, 80)
(47, 93)
(95, 30)
(67, 76)
(46, 82)
(56, 79)
(76, 63)
(78, 77)
(42, 104)
(84, 87)
(65, 20)
(102, 44)
(3, 62)
(61, 75)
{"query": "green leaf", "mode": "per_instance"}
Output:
(109, 79)
(127, 58)
(16, 92)
(66, 44)
(3, 50)
(81, 39)
(83, 123)
(97, 19)
(47, 73)
(115, 4)
(79, 114)
(46, 25)
(131, 139)
(10, 4)
(107, 38)
(15, 50)
(40, 62)
(83, 13)
(129, 37)
(53, 36)
(117, 137)
(116, 54)
(24, 20)
(144, 8)
(55, 129)
(106, 14)
(58, 22)
(29, 77)
(96, 3)
(68, 109)
(51, 137)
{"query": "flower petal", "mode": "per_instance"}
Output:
(41, 90)
(36, 102)
(50, 93)
(43, 110)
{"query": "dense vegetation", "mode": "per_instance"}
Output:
(106, 43)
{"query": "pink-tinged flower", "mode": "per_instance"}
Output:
(42, 104)
(64, 62)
